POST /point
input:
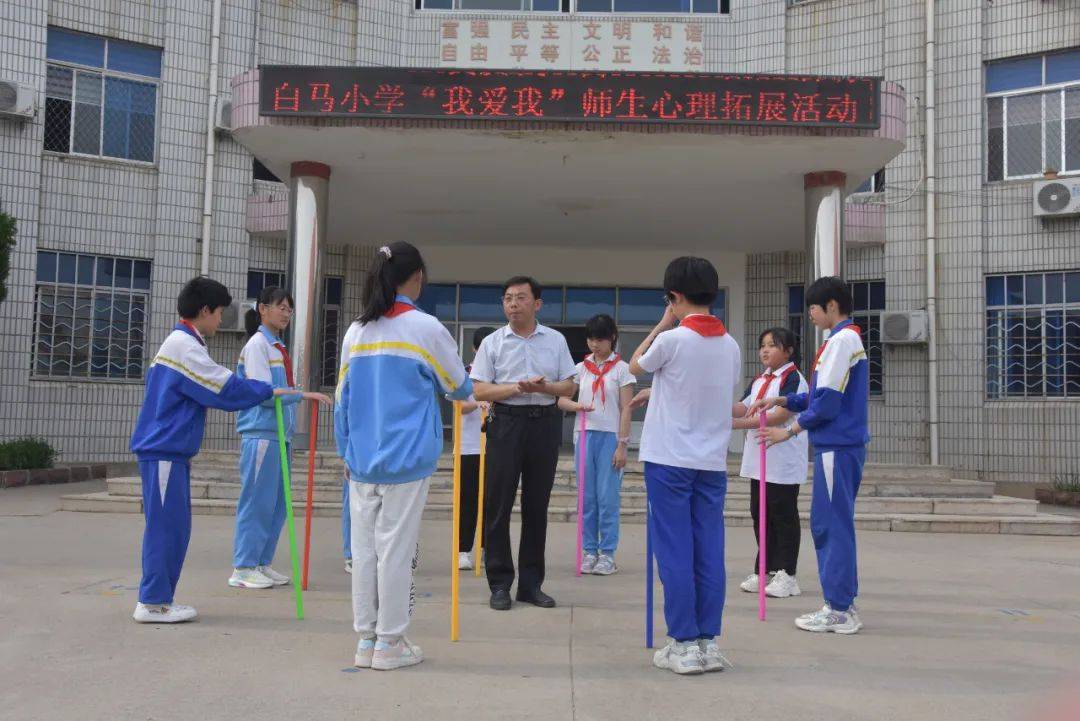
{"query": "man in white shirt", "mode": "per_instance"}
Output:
(521, 369)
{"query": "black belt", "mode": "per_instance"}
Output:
(504, 409)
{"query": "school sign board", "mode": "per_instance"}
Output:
(570, 96)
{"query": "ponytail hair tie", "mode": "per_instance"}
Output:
(385, 250)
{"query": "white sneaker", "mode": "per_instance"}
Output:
(711, 656)
(588, 563)
(402, 653)
(276, 578)
(365, 651)
(249, 578)
(348, 565)
(163, 613)
(842, 622)
(751, 583)
(807, 616)
(680, 657)
(464, 561)
(782, 586)
(605, 565)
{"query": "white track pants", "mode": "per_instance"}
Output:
(385, 527)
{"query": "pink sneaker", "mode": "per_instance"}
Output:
(402, 653)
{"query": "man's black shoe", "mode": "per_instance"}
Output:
(536, 597)
(500, 599)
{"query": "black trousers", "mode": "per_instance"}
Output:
(782, 528)
(525, 447)
(470, 497)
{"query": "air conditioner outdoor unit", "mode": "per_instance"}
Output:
(1056, 198)
(16, 101)
(232, 318)
(904, 326)
(223, 121)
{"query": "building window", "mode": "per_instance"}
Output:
(874, 184)
(90, 316)
(330, 344)
(796, 313)
(259, 279)
(261, 172)
(1033, 116)
(1033, 335)
(868, 300)
(582, 6)
(100, 96)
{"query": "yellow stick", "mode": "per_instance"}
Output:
(454, 573)
(478, 544)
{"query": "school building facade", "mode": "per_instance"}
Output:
(145, 159)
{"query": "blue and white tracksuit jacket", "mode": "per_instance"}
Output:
(260, 511)
(386, 419)
(834, 412)
(181, 383)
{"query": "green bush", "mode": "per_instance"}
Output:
(1067, 482)
(26, 454)
(7, 242)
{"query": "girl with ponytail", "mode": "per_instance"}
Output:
(260, 511)
(395, 359)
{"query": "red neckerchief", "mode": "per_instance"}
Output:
(767, 376)
(198, 336)
(398, 308)
(707, 326)
(598, 382)
(817, 356)
(288, 364)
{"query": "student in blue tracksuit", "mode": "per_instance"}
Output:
(181, 383)
(835, 414)
(684, 445)
(260, 511)
(394, 360)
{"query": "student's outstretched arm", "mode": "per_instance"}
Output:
(449, 370)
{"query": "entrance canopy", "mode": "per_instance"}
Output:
(581, 179)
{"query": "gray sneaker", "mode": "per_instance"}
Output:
(588, 562)
(605, 565)
(682, 657)
(842, 622)
(711, 656)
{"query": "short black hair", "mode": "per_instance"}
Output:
(830, 287)
(201, 292)
(533, 284)
(480, 334)
(694, 277)
(782, 337)
(602, 327)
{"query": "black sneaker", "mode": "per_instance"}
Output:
(500, 599)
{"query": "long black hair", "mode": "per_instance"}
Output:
(394, 265)
(270, 295)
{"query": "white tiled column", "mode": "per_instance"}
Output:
(824, 224)
(309, 189)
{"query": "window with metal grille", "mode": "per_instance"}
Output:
(1033, 335)
(100, 96)
(90, 316)
(332, 331)
(868, 300)
(259, 279)
(582, 6)
(1033, 116)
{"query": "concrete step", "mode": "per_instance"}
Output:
(878, 480)
(1039, 524)
(738, 499)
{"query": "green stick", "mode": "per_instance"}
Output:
(288, 508)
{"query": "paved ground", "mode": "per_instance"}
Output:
(958, 627)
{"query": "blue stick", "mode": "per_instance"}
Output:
(648, 578)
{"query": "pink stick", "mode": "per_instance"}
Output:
(761, 524)
(580, 489)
